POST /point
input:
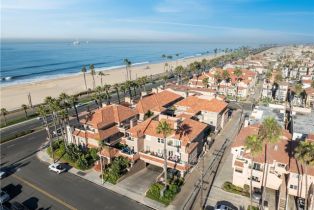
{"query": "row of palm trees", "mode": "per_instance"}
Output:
(269, 134)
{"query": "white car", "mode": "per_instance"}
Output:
(222, 207)
(2, 174)
(56, 167)
(4, 197)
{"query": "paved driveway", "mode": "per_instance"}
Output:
(140, 182)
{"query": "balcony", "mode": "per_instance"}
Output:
(158, 160)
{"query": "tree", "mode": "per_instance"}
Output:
(64, 101)
(127, 68)
(205, 82)
(42, 111)
(101, 74)
(269, 132)
(63, 116)
(179, 71)
(107, 92)
(255, 145)
(73, 100)
(165, 129)
(278, 77)
(116, 88)
(83, 70)
(165, 79)
(24, 107)
(218, 78)
(93, 73)
(298, 89)
(128, 85)
(238, 73)
(4, 113)
(304, 153)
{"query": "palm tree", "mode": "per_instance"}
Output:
(269, 132)
(101, 74)
(4, 113)
(54, 107)
(127, 68)
(116, 88)
(83, 70)
(304, 153)
(165, 129)
(63, 115)
(255, 145)
(107, 92)
(123, 88)
(238, 73)
(178, 71)
(93, 73)
(205, 82)
(218, 79)
(24, 107)
(42, 111)
(128, 86)
(73, 101)
(165, 79)
(64, 101)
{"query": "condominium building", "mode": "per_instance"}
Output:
(105, 126)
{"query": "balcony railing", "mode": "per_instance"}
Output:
(173, 158)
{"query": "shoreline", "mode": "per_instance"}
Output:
(73, 84)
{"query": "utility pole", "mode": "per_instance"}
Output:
(202, 180)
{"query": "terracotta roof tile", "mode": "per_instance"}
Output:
(196, 104)
(156, 101)
(109, 115)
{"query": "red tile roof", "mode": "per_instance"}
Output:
(109, 115)
(196, 104)
(101, 135)
(189, 129)
(156, 101)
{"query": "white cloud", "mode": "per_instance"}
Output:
(33, 4)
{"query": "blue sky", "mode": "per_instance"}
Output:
(259, 21)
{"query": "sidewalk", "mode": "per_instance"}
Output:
(93, 177)
(190, 189)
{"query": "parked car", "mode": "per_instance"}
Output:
(223, 207)
(59, 132)
(18, 206)
(3, 173)
(257, 196)
(56, 167)
(4, 197)
(300, 203)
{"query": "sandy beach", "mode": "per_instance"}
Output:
(12, 97)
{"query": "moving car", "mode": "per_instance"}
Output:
(56, 167)
(4, 197)
(223, 207)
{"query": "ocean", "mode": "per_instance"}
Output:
(30, 61)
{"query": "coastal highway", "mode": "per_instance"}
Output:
(36, 123)
(31, 183)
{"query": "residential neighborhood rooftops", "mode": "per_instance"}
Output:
(185, 131)
(303, 123)
(100, 135)
(156, 101)
(108, 115)
(261, 112)
(196, 104)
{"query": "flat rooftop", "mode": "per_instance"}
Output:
(261, 112)
(303, 123)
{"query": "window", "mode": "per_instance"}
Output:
(257, 166)
(238, 170)
(147, 148)
(281, 165)
(295, 187)
(158, 140)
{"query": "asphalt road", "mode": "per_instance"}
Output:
(35, 123)
(33, 184)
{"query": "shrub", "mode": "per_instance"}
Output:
(93, 152)
(229, 187)
(253, 208)
(116, 170)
